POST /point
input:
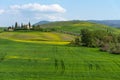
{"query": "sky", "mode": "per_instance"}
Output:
(24, 11)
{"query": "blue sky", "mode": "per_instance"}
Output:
(34, 11)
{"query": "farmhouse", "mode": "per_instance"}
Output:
(10, 29)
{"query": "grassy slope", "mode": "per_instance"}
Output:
(28, 61)
(39, 37)
(76, 26)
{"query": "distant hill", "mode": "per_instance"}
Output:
(42, 22)
(76, 25)
(113, 23)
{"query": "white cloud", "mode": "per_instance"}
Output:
(51, 17)
(55, 18)
(2, 11)
(35, 11)
(56, 8)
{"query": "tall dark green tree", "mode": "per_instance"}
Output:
(29, 24)
(16, 25)
(22, 26)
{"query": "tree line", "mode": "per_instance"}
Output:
(105, 40)
(28, 26)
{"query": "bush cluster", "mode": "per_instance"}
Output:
(106, 41)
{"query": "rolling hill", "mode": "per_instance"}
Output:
(75, 26)
(112, 23)
(38, 37)
(42, 22)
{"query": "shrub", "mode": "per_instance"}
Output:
(105, 47)
(115, 49)
(77, 41)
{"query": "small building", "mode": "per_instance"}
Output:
(10, 29)
(27, 27)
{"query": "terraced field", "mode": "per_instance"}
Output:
(33, 61)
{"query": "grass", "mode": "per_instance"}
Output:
(76, 26)
(45, 56)
(45, 42)
(33, 61)
(37, 36)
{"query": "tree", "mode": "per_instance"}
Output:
(22, 26)
(86, 38)
(29, 24)
(118, 38)
(16, 25)
(100, 37)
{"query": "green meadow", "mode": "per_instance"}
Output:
(76, 26)
(25, 60)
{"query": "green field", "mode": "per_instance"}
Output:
(76, 26)
(38, 37)
(24, 60)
